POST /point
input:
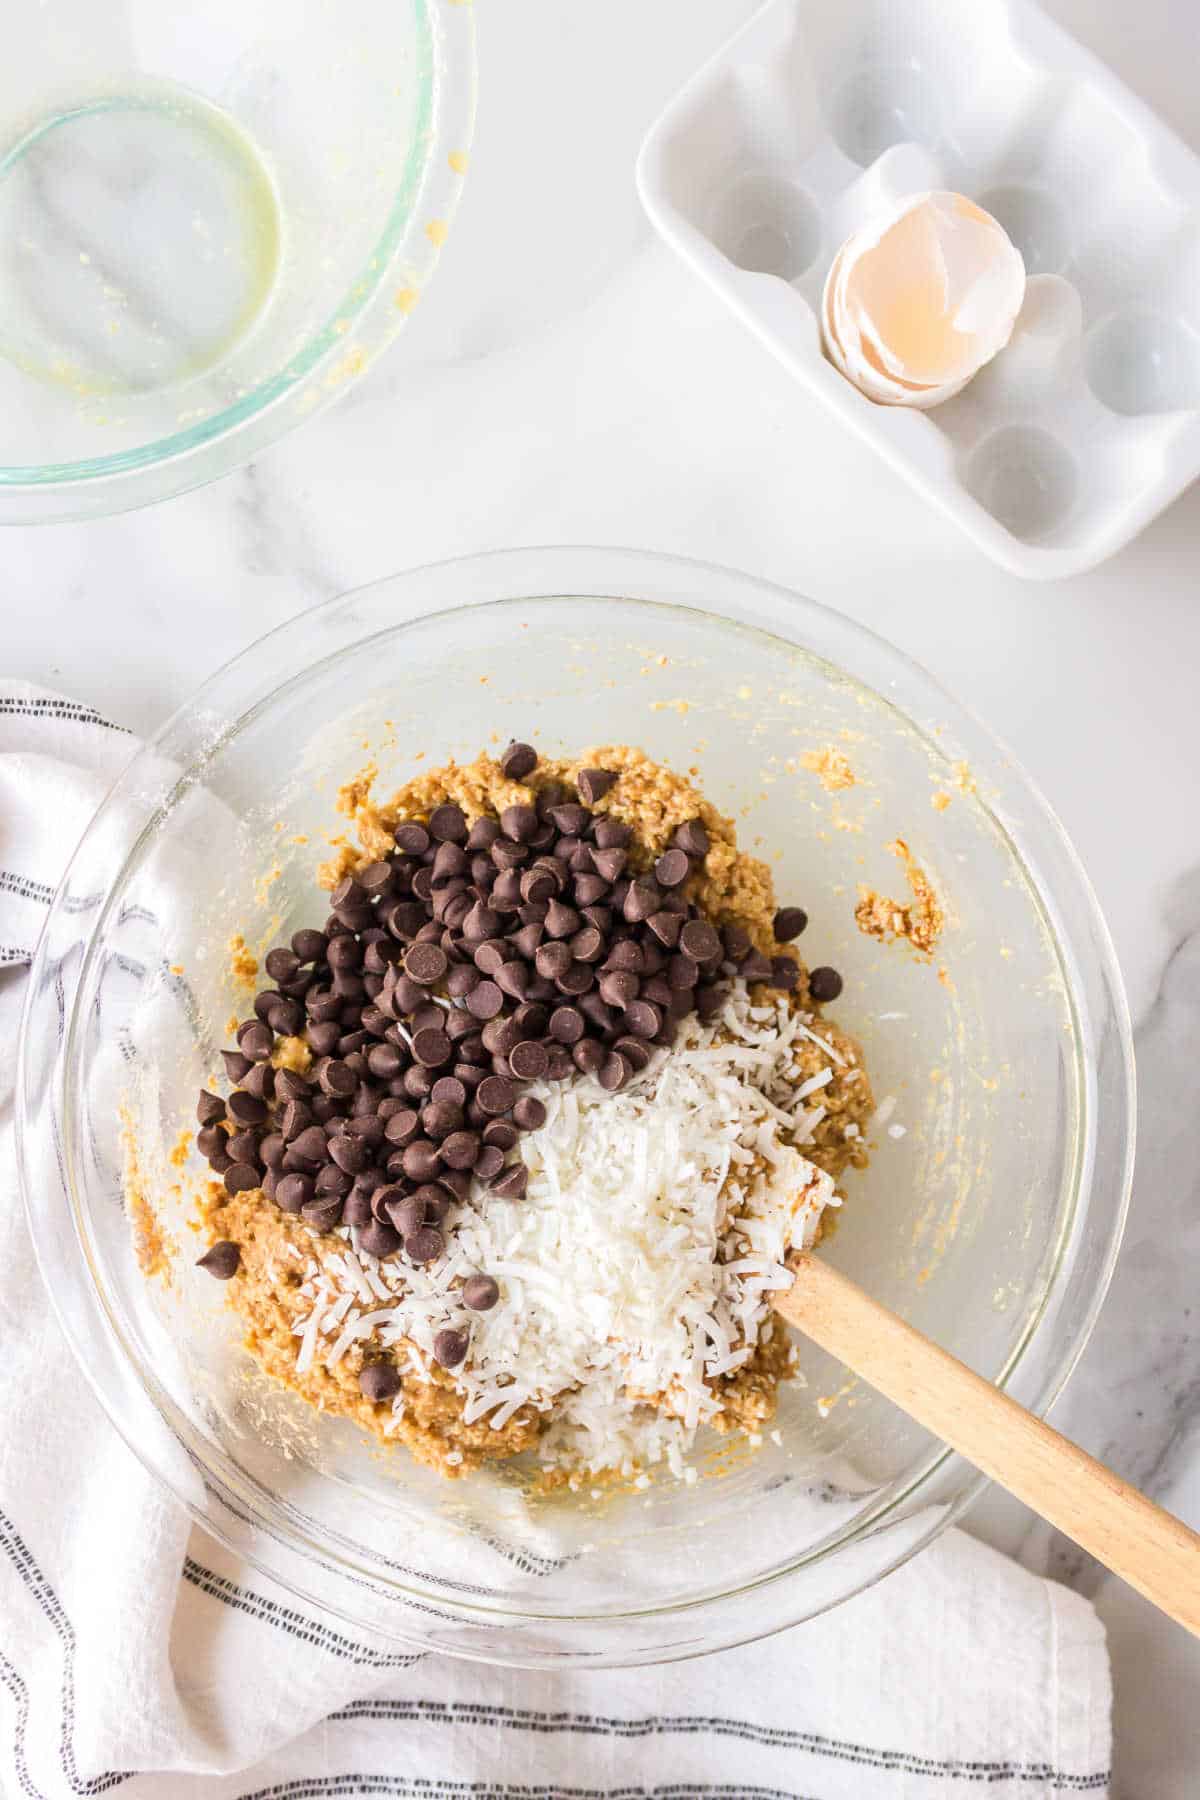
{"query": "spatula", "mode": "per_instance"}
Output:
(1154, 1552)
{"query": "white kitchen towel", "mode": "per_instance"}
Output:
(137, 1656)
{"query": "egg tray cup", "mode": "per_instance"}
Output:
(812, 121)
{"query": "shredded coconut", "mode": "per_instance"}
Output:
(639, 1266)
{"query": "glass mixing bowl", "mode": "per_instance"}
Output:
(990, 1215)
(212, 221)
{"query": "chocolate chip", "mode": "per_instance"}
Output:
(480, 1293)
(518, 761)
(384, 1061)
(485, 1001)
(448, 824)
(241, 1177)
(259, 1081)
(460, 1150)
(529, 1060)
(256, 1040)
(529, 1113)
(309, 945)
(552, 960)
(412, 838)
(642, 901)
(512, 1183)
(243, 1147)
(310, 1144)
(210, 1107)
(589, 1056)
(499, 1134)
(562, 921)
(378, 1239)
(593, 784)
(642, 1019)
(513, 979)
(635, 1052)
(349, 1153)
(421, 1160)
(449, 1347)
(587, 945)
(576, 980)
(237, 1066)
(785, 973)
(700, 941)
(380, 1381)
(672, 868)
(337, 1079)
(448, 1090)
(824, 984)
(323, 1213)
(755, 967)
(402, 1127)
(222, 1260)
(789, 922)
(432, 1048)
(495, 1095)
(211, 1141)
(614, 1073)
(619, 987)
(406, 1212)
(692, 838)
(566, 1024)
(425, 963)
(425, 1244)
(520, 823)
(490, 1161)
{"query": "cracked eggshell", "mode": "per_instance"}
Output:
(917, 302)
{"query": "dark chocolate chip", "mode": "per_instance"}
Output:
(222, 1260)
(209, 1108)
(421, 1160)
(529, 1060)
(460, 1150)
(495, 1095)
(241, 1177)
(378, 1239)
(512, 1182)
(380, 1381)
(518, 761)
(448, 824)
(432, 1048)
(593, 784)
(692, 838)
(485, 1001)
(450, 1347)
(529, 1113)
(412, 838)
(700, 941)
(785, 973)
(480, 1293)
(490, 1163)
(425, 963)
(790, 921)
(566, 1024)
(824, 984)
(425, 1244)
(672, 867)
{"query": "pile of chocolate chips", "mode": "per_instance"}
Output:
(472, 960)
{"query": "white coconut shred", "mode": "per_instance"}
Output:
(637, 1269)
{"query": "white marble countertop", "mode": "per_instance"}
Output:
(566, 381)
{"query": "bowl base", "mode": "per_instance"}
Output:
(140, 240)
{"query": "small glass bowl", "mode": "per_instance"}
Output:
(990, 1216)
(212, 221)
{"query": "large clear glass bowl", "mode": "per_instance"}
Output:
(212, 221)
(990, 1215)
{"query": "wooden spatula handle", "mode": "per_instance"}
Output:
(1154, 1552)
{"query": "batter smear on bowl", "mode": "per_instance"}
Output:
(520, 1140)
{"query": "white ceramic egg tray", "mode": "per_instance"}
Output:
(818, 116)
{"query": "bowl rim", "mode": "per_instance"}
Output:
(505, 575)
(427, 191)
